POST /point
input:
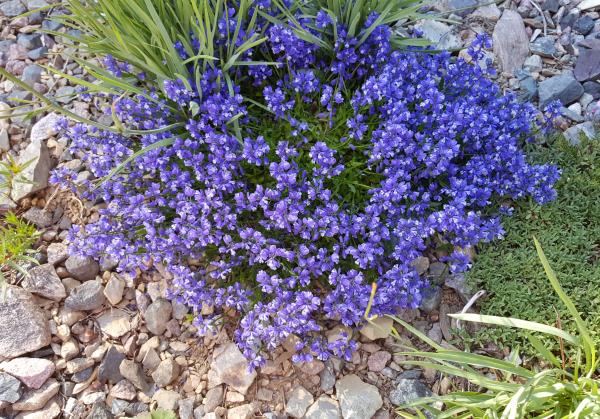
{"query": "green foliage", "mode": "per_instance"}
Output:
(16, 238)
(11, 172)
(163, 414)
(568, 388)
(570, 230)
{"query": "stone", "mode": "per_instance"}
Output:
(312, 368)
(231, 367)
(298, 401)
(544, 46)
(574, 133)
(91, 398)
(459, 284)
(528, 89)
(245, 411)
(109, 367)
(32, 74)
(10, 388)
(33, 372)
(87, 296)
(442, 36)
(489, 12)
(50, 411)
(65, 94)
(166, 399)
(115, 323)
(34, 177)
(186, 408)
(39, 217)
(584, 25)
(157, 315)
(378, 360)
(82, 268)
(78, 364)
(57, 253)
(510, 40)
(113, 291)
(12, 8)
(43, 281)
(123, 390)
(324, 408)
(588, 65)
(408, 390)
(459, 7)
(166, 372)
(45, 128)
(569, 19)
(592, 88)
(82, 376)
(35, 399)
(213, 398)
(431, 299)
(37, 53)
(378, 328)
(4, 140)
(23, 325)
(100, 411)
(551, 5)
(327, 377)
(563, 87)
(134, 373)
(69, 350)
(358, 400)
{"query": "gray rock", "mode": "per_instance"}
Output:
(533, 63)
(35, 399)
(213, 398)
(231, 368)
(593, 88)
(573, 116)
(134, 373)
(114, 289)
(490, 12)
(157, 315)
(186, 408)
(115, 323)
(119, 407)
(569, 19)
(23, 324)
(39, 217)
(43, 280)
(34, 177)
(584, 25)
(12, 8)
(441, 35)
(459, 7)
(324, 408)
(358, 399)
(298, 401)
(109, 367)
(166, 372)
(458, 283)
(32, 74)
(551, 5)
(65, 94)
(408, 390)
(57, 253)
(37, 53)
(327, 378)
(45, 127)
(100, 411)
(82, 376)
(83, 268)
(30, 40)
(563, 87)
(167, 399)
(574, 133)
(588, 65)
(438, 272)
(35, 4)
(10, 388)
(378, 328)
(87, 296)
(432, 297)
(528, 89)
(544, 46)
(511, 43)
(4, 140)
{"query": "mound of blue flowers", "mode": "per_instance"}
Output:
(279, 199)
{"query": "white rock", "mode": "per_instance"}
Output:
(298, 401)
(34, 399)
(45, 127)
(510, 40)
(358, 400)
(378, 328)
(34, 176)
(231, 368)
(33, 372)
(115, 323)
(324, 408)
(114, 289)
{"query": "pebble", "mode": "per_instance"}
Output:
(510, 40)
(113, 291)
(245, 411)
(123, 390)
(35, 399)
(82, 268)
(213, 398)
(109, 367)
(50, 411)
(574, 133)
(231, 368)
(166, 372)
(544, 46)
(378, 328)
(324, 408)
(298, 401)
(378, 360)
(134, 373)
(78, 364)
(43, 281)
(10, 388)
(12, 8)
(408, 390)
(358, 400)
(166, 399)
(115, 323)
(431, 299)
(87, 296)
(57, 253)
(33, 372)
(34, 177)
(563, 87)
(157, 315)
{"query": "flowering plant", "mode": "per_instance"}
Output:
(281, 190)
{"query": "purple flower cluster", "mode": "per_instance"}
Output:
(366, 159)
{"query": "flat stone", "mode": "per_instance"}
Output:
(82, 376)
(151, 360)
(69, 350)
(157, 315)
(574, 133)
(34, 399)
(23, 325)
(10, 388)
(65, 94)
(113, 291)
(33, 372)
(50, 411)
(12, 8)
(87, 296)
(213, 399)
(45, 127)
(489, 12)
(298, 401)
(100, 411)
(34, 176)
(32, 74)
(563, 87)
(324, 408)
(245, 411)
(91, 398)
(134, 373)
(511, 43)
(115, 323)
(378, 360)
(78, 364)
(408, 390)
(82, 268)
(166, 372)
(57, 253)
(186, 408)
(231, 368)
(43, 281)
(584, 25)
(544, 46)
(592, 88)
(441, 35)
(166, 399)
(588, 65)
(4, 140)
(358, 400)
(431, 299)
(123, 390)
(38, 217)
(378, 328)
(109, 367)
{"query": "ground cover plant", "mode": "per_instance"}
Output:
(294, 156)
(569, 227)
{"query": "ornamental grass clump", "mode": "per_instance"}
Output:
(295, 182)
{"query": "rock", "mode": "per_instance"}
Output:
(511, 43)
(231, 368)
(213, 398)
(100, 411)
(114, 289)
(38, 53)
(134, 373)
(186, 408)
(166, 372)
(378, 328)
(489, 12)
(115, 323)
(528, 89)
(431, 299)
(327, 377)
(78, 364)
(166, 399)
(10, 388)
(408, 390)
(569, 19)
(312, 368)
(563, 87)
(357, 399)
(82, 376)
(588, 65)
(35, 399)
(298, 401)
(459, 284)
(459, 7)
(65, 94)
(50, 411)
(69, 350)
(87, 296)
(324, 408)
(441, 35)
(38, 217)
(157, 315)
(4, 140)
(574, 133)
(82, 268)
(592, 88)
(12, 8)
(91, 398)
(123, 390)
(551, 5)
(109, 367)
(245, 411)
(378, 360)
(33, 372)
(34, 176)
(43, 281)
(32, 74)
(584, 25)
(23, 325)
(544, 46)
(57, 253)
(45, 127)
